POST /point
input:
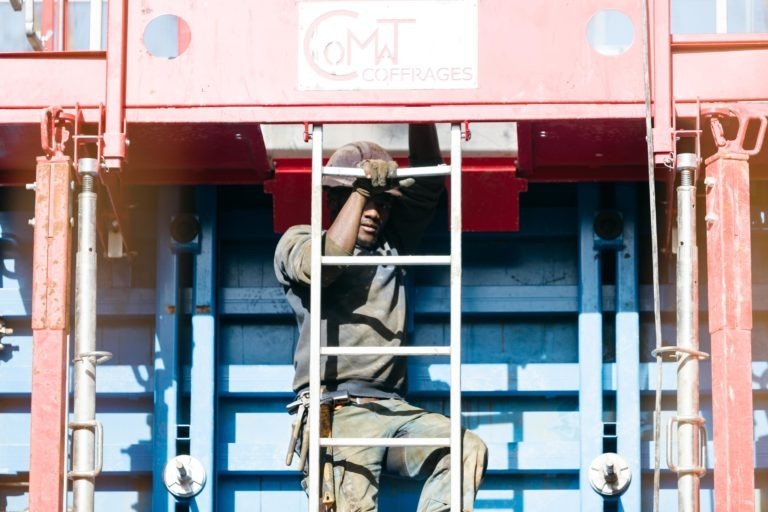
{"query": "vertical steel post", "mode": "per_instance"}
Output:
(48, 25)
(688, 419)
(590, 348)
(166, 371)
(117, 43)
(50, 324)
(203, 391)
(84, 399)
(628, 349)
(729, 283)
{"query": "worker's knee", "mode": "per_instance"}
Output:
(475, 449)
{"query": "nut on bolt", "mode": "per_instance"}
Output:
(184, 476)
(88, 166)
(609, 474)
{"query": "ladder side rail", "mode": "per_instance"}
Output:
(315, 297)
(455, 319)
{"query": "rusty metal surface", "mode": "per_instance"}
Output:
(50, 325)
(729, 283)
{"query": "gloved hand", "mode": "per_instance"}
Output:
(378, 174)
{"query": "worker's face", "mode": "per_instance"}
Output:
(375, 216)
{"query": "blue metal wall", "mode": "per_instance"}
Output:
(202, 343)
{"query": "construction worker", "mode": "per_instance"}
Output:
(365, 306)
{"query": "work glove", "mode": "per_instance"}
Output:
(379, 178)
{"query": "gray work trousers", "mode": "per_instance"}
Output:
(357, 469)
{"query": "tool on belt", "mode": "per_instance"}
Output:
(300, 407)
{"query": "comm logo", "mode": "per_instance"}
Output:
(421, 44)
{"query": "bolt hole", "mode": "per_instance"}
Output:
(610, 32)
(167, 36)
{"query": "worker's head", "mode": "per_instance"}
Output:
(377, 207)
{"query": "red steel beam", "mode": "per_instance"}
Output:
(729, 283)
(114, 133)
(50, 315)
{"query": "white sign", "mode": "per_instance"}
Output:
(396, 44)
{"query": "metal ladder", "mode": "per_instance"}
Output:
(453, 350)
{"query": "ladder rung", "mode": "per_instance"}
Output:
(402, 172)
(385, 260)
(386, 441)
(385, 351)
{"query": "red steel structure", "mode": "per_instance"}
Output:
(196, 119)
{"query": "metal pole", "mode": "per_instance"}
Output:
(590, 326)
(84, 400)
(688, 418)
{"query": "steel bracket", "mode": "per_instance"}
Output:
(744, 116)
(114, 225)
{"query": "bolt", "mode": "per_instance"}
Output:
(182, 470)
(31, 222)
(711, 217)
(609, 473)
(709, 181)
(31, 186)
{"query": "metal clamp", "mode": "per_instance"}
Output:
(99, 356)
(661, 351)
(98, 448)
(4, 331)
(696, 421)
(55, 129)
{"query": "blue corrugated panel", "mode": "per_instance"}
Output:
(522, 342)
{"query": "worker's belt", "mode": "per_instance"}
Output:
(336, 399)
(329, 402)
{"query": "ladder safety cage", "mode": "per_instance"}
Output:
(453, 351)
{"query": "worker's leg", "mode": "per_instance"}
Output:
(433, 464)
(357, 469)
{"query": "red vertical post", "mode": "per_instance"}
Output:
(661, 76)
(48, 24)
(729, 281)
(114, 133)
(50, 325)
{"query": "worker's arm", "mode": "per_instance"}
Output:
(342, 234)
(293, 256)
(413, 211)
